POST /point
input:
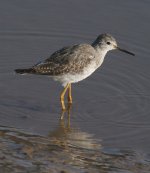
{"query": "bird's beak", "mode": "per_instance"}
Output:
(123, 50)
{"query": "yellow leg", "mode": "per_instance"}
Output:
(62, 96)
(69, 94)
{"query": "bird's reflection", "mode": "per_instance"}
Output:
(65, 147)
(69, 136)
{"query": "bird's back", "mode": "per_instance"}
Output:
(66, 60)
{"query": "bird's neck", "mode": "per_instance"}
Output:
(101, 52)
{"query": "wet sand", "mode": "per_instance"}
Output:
(109, 128)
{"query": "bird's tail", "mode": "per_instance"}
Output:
(24, 71)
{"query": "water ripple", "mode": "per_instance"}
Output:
(68, 148)
(42, 34)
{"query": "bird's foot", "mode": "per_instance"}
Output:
(63, 106)
(69, 106)
(64, 110)
(69, 100)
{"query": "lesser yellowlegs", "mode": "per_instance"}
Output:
(74, 63)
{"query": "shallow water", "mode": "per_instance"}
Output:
(109, 122)
(65, 149)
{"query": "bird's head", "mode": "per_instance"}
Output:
(107, 42)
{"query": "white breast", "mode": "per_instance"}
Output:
(87, 71)
(76, 77)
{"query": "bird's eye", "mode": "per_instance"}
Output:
(108, 43)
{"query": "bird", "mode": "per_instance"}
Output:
(74, 63)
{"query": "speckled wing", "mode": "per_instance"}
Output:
(71, 59)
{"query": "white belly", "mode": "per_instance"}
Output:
(76, 77)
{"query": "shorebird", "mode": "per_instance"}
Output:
(74, 63)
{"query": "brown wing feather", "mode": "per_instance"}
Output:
(69, 59)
